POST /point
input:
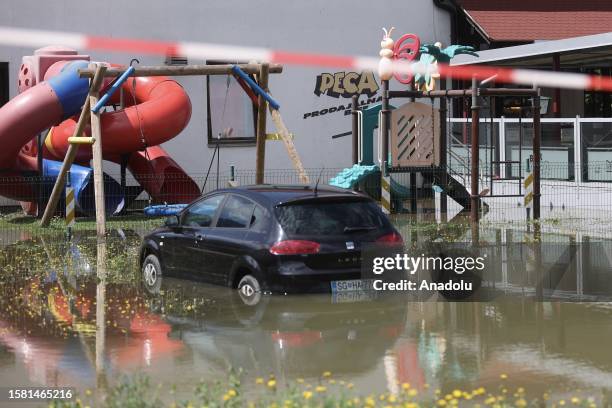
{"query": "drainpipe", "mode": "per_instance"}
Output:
(453, 10)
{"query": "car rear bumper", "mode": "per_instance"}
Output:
(296, 277)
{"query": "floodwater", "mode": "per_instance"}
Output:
(69, 317)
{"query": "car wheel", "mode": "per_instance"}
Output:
(152, 274)
(250, 290)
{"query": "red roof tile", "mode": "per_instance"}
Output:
(528, 20)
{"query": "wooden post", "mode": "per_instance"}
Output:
(58, 188)
(96, 133)
(355, 127)
(262, 112)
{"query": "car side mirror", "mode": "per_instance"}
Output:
(172, 221)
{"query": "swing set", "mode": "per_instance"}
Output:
(256, 90)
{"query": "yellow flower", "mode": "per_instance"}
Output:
(259, 380)
(369, 402)
(320, 388)
(562, 402)
(410, 405)
(441, 403)
(349, 385)
(332, 381)
(391, 398)
(327, 374)
(307, 394)
(520, 402)
(271, 383)
(300, 380)
(575, 400)
(405, 386)
(456, 393)
(490, 400)
(412, 393)
(226, 397)
(232, 393)
(448, 397)
(520, 390)
(503, 376)
(88, 392)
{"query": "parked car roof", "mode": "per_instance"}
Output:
(274, 194)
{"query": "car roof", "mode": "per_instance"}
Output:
(275, 194)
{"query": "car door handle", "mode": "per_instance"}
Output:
(199, 237)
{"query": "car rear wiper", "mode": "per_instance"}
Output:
(356, 229)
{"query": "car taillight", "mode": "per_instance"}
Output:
(392, 238)
(295, 247)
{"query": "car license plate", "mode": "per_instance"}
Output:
(352, 285)
(354, 296)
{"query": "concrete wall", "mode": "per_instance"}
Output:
(338, 26)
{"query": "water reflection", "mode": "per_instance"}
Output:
(75, 314)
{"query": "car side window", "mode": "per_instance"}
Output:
(202, 213)
(259, 219)
(236, 213)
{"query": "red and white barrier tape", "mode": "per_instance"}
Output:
(38, 38)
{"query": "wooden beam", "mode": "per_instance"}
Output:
(262, 113)
(58, 188)
(97, 162)
(185, 70)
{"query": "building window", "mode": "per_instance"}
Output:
(231, 112)
(4, 83)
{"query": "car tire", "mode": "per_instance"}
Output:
(249, 289)
(152, 274)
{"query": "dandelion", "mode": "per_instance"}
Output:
(575, 400)
(441, 403)
(232, 393)
(503, 376)
(300, 381)
(391, 398)
(412, 393)
(405, 386)
(259, 380)
(562, 402)
(520, 402)
(456, 393)
(271, 383)
(369, 402)
(327, 374)
(320, 388)
(307, 394)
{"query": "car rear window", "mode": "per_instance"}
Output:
(328, 218)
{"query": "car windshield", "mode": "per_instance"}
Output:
(329, 218)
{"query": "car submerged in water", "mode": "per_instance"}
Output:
(268, 238)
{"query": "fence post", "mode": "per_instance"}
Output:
(474, 196)
(577, 151)
(537, 138)
(70, 212)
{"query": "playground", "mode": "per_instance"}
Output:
(81, 114)
(454, 155)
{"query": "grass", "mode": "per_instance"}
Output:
(134, 221)
(138, 392)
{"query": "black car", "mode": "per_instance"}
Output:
(268, 238)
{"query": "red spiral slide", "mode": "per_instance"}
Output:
(156, 110)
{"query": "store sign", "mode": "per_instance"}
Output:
(346, 84)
